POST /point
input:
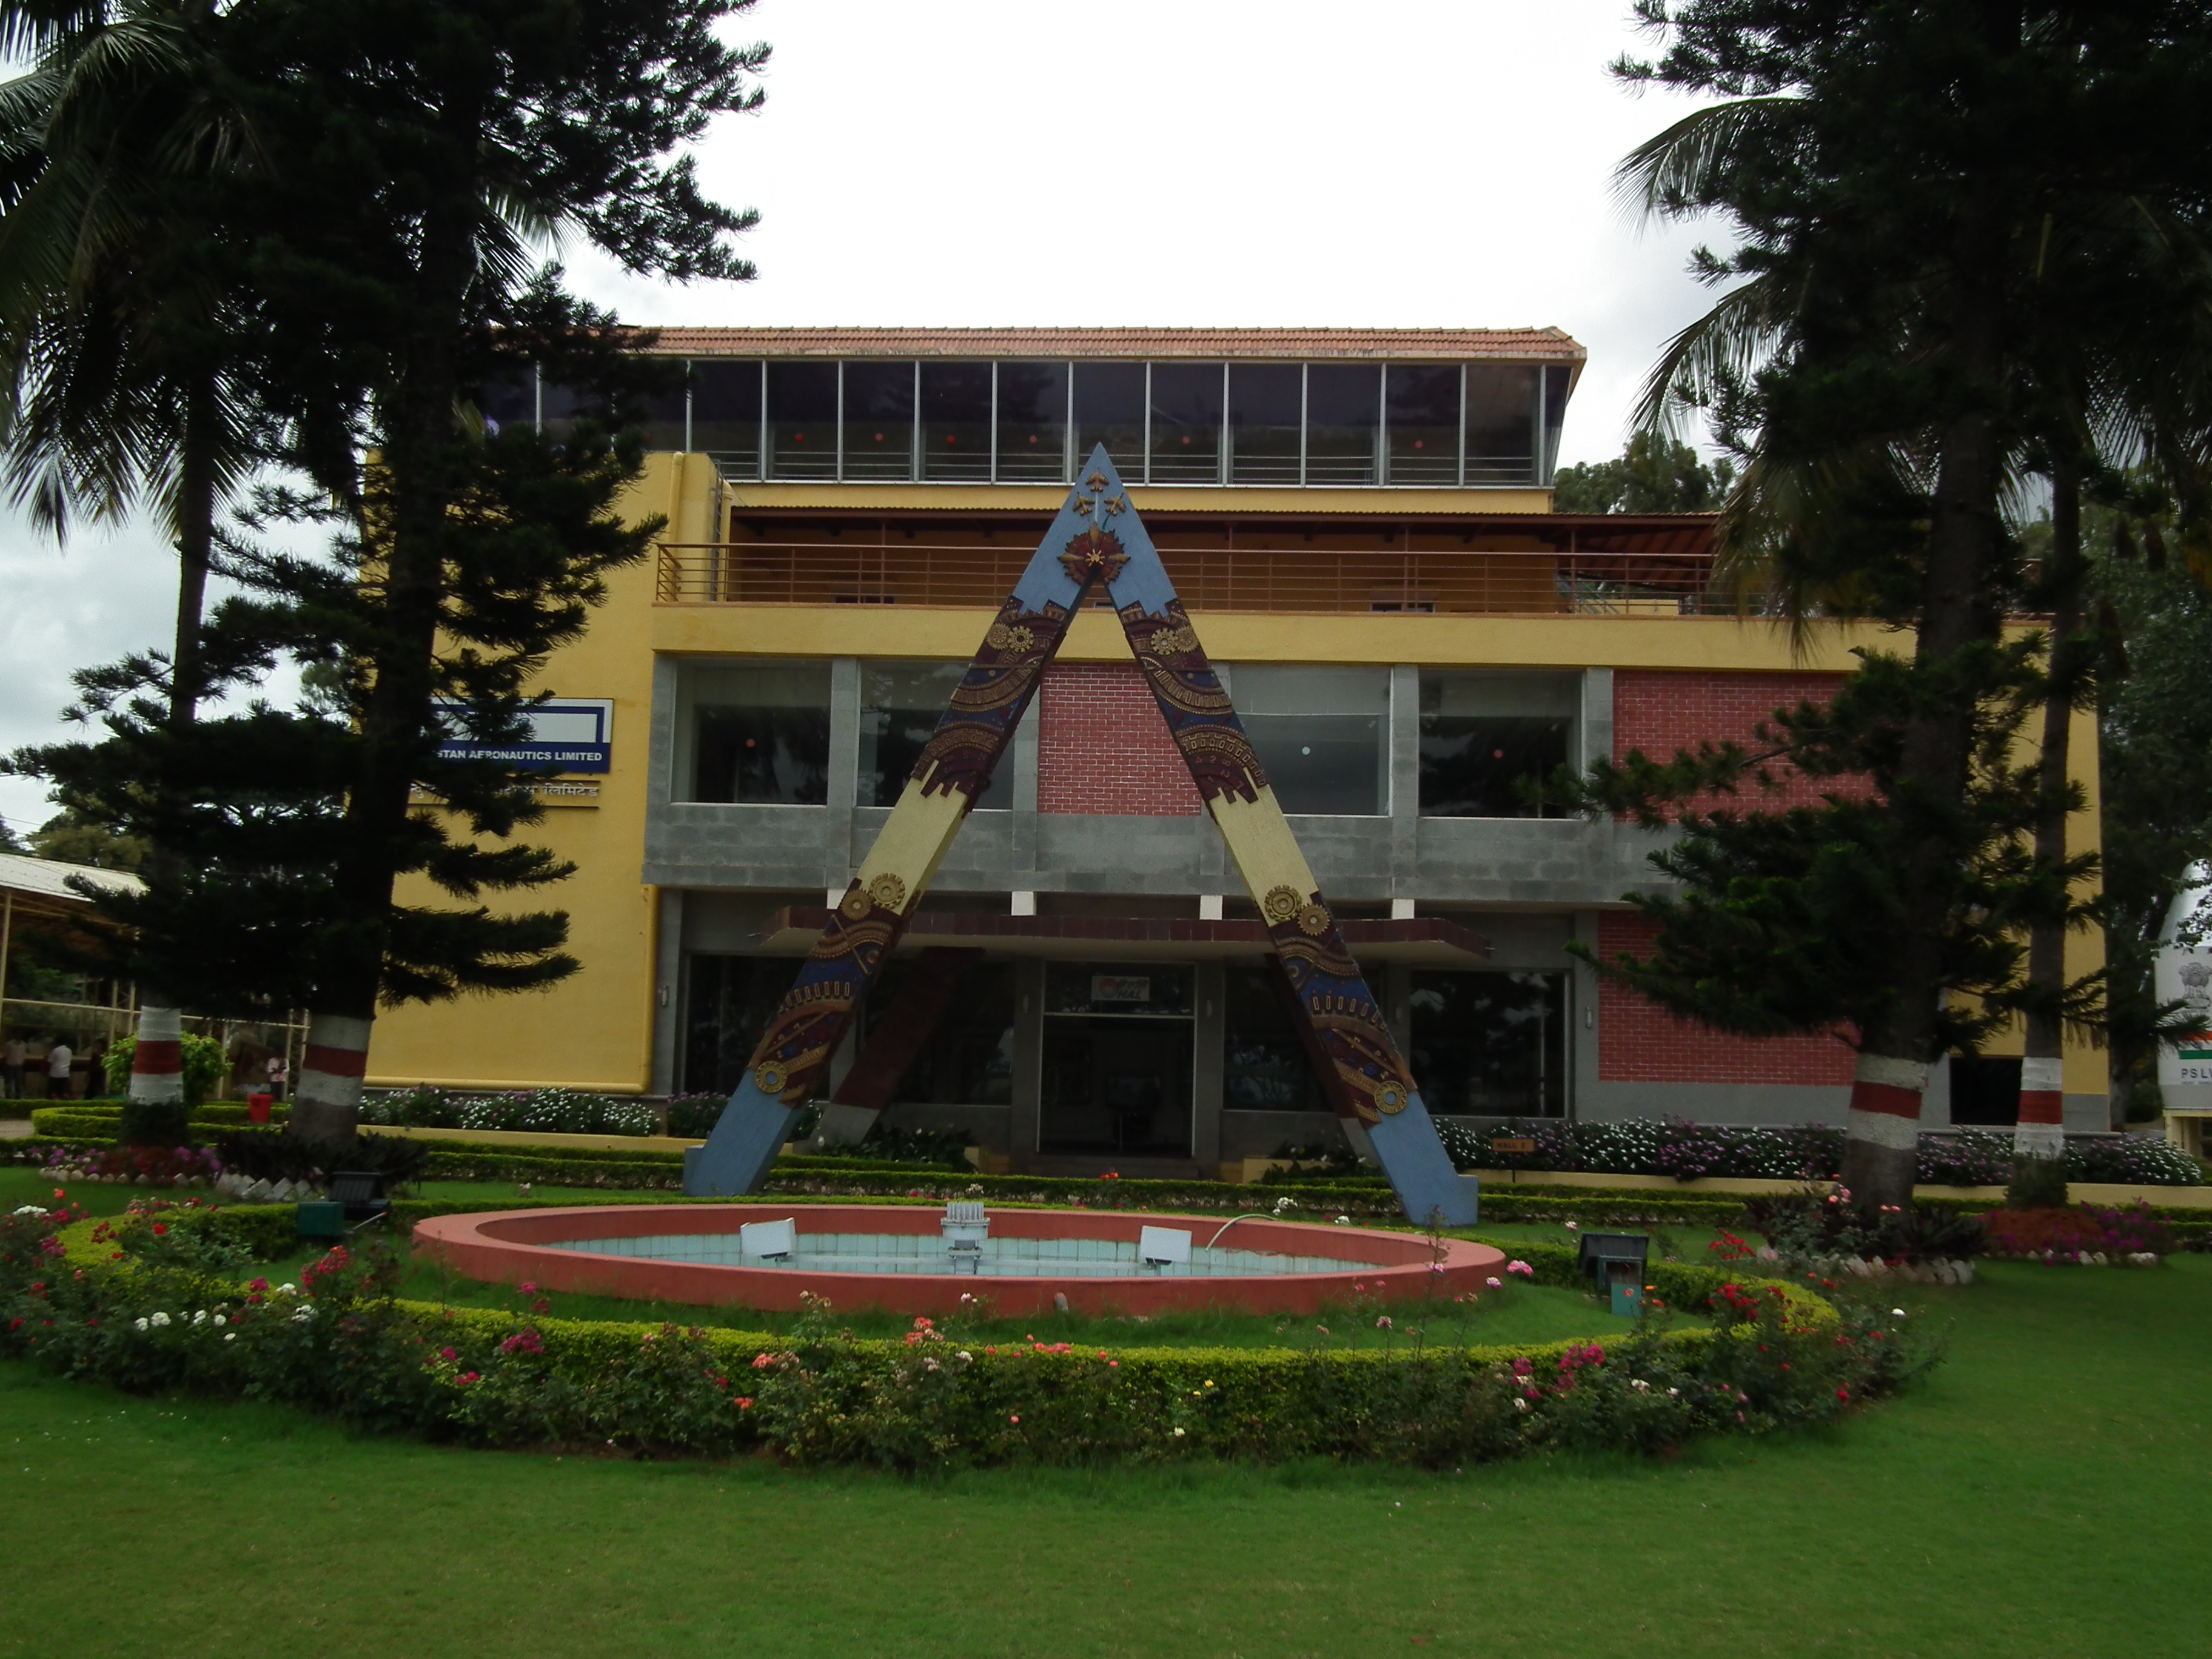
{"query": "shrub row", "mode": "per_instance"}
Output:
(110, 1301)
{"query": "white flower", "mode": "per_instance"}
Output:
(1640, 1385)
(1521, 1403)
(303, 1313)
(138, 1324)
(220, 1320)
(1673, 1393)
(964, 1354)
(200, 1318)
(230, 1336)
(160, 1321)
(288, 1289)
(30, 1209)
(1344, 1221)
(1899, 1312)
(1178, 1434)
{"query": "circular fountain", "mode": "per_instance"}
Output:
(911, 1260)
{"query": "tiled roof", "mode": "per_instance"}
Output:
(1454, 344)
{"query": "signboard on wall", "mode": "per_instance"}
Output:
(1121, 988)
(570, 734)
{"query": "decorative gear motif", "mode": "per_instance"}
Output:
(855, 905)
(1391, 1099)
(1009, 636)
(888, 890)
(1313, 921)
(768, 1077)
(1174, 642)
(1280, 904)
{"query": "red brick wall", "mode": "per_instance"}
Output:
(1660, 711)
(1639, 1042)
(1102, 746)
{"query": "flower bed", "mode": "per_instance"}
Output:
(1687, 1150)
(139, 1301)
(2081, 1237)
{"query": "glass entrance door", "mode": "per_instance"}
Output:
(1117, 1060)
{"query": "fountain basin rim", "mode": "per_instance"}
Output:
(514, 1246)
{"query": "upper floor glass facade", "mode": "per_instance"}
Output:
(1318, 424)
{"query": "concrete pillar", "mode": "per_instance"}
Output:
(1582, 1044)
(1404, 738)
(837, 861)
(1029, 1058)
(668, 990)
(1209, 1035)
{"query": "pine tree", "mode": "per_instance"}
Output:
(1894, 174)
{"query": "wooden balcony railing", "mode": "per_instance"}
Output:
(935, 575)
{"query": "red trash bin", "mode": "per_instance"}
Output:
(256, 1108)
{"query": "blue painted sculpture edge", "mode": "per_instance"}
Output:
(746, 1141)
(1420, 1171)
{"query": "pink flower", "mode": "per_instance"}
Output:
(1522, 1268)
(447, 1355)
(1495, 1284)
(528, 1289)
(1383, 1323)
(1013, 1420)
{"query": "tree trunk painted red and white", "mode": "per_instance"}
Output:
(1882, 1143)
(2042, 1129)
(157, 1059)
(326, 1101)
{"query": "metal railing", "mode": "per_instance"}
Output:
(938, 576)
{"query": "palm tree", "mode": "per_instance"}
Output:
(118, 338)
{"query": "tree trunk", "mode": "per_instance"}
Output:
(1900, 1044)
(157, 1061)
(2041, 1131)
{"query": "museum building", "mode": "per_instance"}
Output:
(1360, 524)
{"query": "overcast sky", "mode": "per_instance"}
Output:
(1407, 163)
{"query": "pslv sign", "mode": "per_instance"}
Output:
(569, 734)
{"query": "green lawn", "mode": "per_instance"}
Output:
(2036, 1497)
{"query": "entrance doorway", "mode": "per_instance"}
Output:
(1117, 1060)
(1119, 1087)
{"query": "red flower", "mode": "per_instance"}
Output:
(160, 1228)
(744, 1403)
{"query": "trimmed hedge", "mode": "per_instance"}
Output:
(124, 1307)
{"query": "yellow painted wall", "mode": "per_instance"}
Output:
(593, 1030)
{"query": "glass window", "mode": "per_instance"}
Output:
(1482, 734)
(1265, 409)
(1344, 409)
(1424, 423)
(1501, 423)
(510, 400)
(1319, 733)
(969, 1058)
(1490, 1044)
(559, 407)
(802, 420)
(1186, 423)
(956, 422)
(900, 706)
(1109, 410)
(728, 1007)
(725, 416)
(1032, 422)
(665, 415)
(879, 421)
(1263, 1066)
(1117, 988)
(761, 734)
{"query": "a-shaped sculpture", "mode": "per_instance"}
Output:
(1097, 538)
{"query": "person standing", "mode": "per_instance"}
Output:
(278, 1073)
(16, 1056)
(58, 1059)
